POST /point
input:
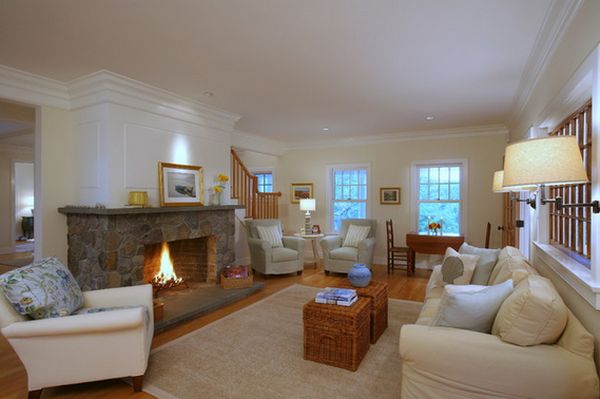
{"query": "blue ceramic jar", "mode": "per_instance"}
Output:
(359, 275)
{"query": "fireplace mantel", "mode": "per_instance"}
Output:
(73, 210)
(106, 245)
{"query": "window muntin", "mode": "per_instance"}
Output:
(350, 195)
(265, 182)
(439, 197)
(570, 228)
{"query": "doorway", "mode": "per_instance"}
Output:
(17, 236)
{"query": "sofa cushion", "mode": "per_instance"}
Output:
(344, 253)
(515, 267)
(271, 234)
(283, 254)
(487, 259)
(42, 290)
(428, 311)
(471, 307)
(533, 314)
(509, 251)
(355, 235)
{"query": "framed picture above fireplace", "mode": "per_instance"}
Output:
(180, 185)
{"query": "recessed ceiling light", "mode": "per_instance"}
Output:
(325, 129)
(429, 118)
(208, 94)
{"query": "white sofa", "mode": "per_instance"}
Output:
(84, 347)
(447, 363)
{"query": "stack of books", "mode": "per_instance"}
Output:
(337, 296)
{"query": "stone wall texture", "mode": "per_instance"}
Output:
(108, 250)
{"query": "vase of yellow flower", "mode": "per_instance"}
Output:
(217, 189)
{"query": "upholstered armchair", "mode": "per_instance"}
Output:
(339, 258)
(88, 346)
(267, 259)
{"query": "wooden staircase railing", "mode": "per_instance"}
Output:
(244, 188)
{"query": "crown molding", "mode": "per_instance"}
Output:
(471, 131)
(108, 87)
(251, 142)
(104, 86)
(32, 89)
(557, 20)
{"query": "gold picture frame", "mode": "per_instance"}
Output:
(389, 195)
(300, 191)
(180, 185)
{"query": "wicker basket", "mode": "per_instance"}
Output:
(243, 282)
(337, 335)
(377, 293)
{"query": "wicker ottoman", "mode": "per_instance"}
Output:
(337, 335)
(377, 293)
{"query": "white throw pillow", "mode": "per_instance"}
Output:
(533, 314)
(437, 279)
(487, 260)
(271, 234)
(507, 267)
(471, 307)
(355, 235)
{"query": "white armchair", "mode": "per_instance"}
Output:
(339, 259)
(85, 347)
(268, 260)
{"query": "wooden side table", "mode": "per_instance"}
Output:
(313, 238)
(377, 294)
(428, 244)
(337, 335)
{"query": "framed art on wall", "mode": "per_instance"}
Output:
(180, 185)
(389, 195)
(301, 191)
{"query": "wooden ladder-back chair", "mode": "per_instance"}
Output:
(396, 256)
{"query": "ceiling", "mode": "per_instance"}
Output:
(291, 68)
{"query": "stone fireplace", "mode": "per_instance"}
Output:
(121, 247)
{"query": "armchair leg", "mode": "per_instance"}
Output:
(299, 272)
(138, 381)
(34, 394)
(327, 272)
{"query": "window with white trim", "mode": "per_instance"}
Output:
(349, 194)
(439, 196)
(265, 182)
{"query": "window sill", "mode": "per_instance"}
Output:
(576, 275)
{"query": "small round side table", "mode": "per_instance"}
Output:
(313, 239)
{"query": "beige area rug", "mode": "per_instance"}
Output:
(257, 352)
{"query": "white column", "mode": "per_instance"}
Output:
(595, 159)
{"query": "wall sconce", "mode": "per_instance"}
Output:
(545, 161)
(498, 187)
(308, 205)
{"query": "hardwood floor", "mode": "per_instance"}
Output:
(400, 287)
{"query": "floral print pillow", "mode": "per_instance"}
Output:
(42, 290)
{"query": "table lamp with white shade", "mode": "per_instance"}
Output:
(554, 160)
(308, 205)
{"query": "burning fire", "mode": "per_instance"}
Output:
(166, 277)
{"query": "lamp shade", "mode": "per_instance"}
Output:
(498, 185)
(308, 204)
(549, 160)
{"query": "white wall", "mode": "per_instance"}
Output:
(9, 155)
(24, 202)
(390, 165)
(119, 149)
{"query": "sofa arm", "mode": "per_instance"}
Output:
(482, 363)
(330, 242)
(295, 243)
(114, 320)
(365, 250)
(122, 296)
